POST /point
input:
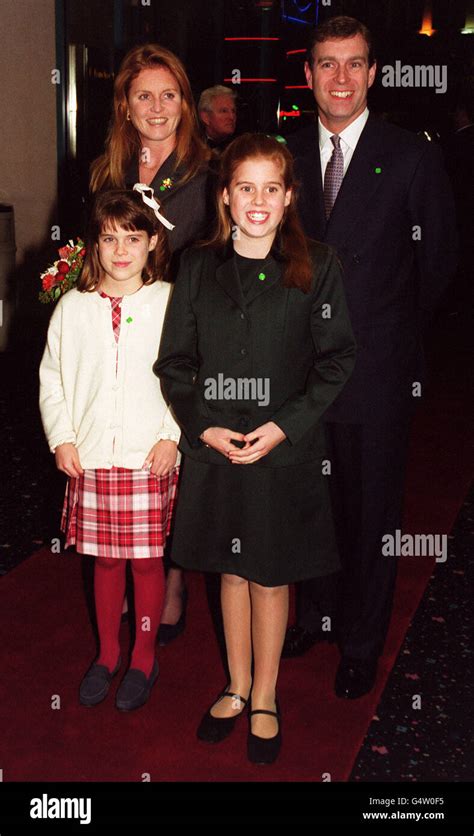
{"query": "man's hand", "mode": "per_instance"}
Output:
(67, 460)
(162, 458)
(258, 444)
(219, 438)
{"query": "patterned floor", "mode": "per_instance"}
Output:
(433, 742)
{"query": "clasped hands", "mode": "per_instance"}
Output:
(257, 444)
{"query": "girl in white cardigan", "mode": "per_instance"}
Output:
(111, 431)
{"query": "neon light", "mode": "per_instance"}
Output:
(285, 113)
(296, 87)
(251, 39)
(295, 51)
(469, 24)
(427, 25)
(299, 7)
(297, 20)
(303, 8)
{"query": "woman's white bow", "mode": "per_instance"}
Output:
(152, 203)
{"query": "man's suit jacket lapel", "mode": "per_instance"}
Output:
(359, 185)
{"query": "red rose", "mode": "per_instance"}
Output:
(48, 281)
(82, 253)
(64, 251)
(63, 267)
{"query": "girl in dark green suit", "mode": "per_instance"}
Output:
(256, 345)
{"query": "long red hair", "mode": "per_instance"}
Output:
(290, 240)
(123, 142)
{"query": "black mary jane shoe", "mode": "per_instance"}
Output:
(135, 688)
(264, 749)
(214, 729)
(96, 683)
(169, 632)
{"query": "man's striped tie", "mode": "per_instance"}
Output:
(333, 175)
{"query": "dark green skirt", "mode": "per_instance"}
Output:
(269, 525)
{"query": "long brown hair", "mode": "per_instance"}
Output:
(115, 208)
(290, 240)
(123, 142)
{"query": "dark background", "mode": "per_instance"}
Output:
(92, 38)
(94, 35)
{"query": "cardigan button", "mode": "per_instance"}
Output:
(243, 351)
(242, 316)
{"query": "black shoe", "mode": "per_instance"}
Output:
(214, 729)
(298, 641)
(135, 688)
(168, 632)
(96, 683)
(355, 678)
(264, 749)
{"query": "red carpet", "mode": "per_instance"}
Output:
(47, 645)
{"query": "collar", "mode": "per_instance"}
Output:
(128, 300)
(227, 251)
(227, 275)
(167, 169)
(349, 135)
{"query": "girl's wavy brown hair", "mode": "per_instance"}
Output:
(123, 142)
(122, 208)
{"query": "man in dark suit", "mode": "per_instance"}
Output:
(380, 196)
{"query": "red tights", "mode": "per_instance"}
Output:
(109, 591)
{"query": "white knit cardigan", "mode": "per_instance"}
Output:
(113, 419)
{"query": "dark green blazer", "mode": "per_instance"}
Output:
(304, 349)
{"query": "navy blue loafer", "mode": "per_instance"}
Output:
(96, 683)
(135, 688)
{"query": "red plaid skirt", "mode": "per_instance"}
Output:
(119, 513)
